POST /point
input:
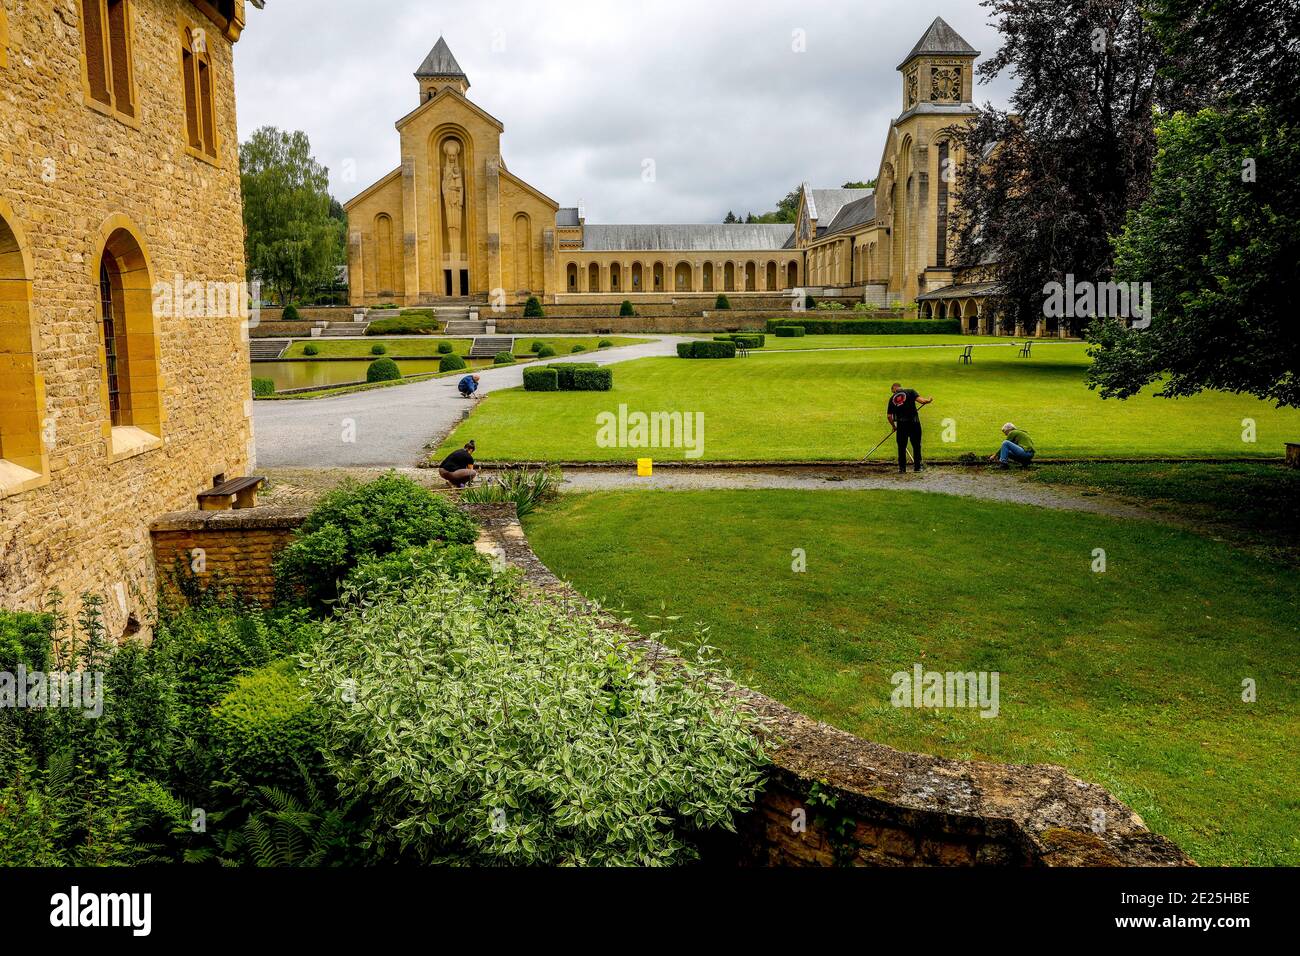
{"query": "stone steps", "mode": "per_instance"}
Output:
(267, 348)
(344, 330)
(464, 327)
(487, 346)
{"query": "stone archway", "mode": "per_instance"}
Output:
(23, 457)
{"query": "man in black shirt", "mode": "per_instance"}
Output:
(458, 468)
(904, 414)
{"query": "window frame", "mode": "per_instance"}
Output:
(195, 67)
(109, 78)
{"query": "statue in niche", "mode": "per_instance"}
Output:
(453, 195)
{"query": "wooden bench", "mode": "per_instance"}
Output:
(235, 493)
(1024, 352)
(966, 355)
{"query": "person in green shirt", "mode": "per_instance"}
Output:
(1017, 447)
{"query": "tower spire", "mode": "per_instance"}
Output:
(440, 70)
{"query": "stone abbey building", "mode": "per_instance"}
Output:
(119, 171)
(452, 222)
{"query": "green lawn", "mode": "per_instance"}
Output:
(422, 347)
(1130, 678)
(772, 343)
(831, 405)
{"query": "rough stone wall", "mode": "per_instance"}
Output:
(233, 549)
(65, 170)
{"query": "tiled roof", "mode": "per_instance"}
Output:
(707, 237)
(440, 62)
(853, 214)
(940, 40)
(567, 216)
(825, 204)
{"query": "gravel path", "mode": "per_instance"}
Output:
(391, 426)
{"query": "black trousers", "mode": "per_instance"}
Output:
(909, 431)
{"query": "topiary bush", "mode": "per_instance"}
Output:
(418, 322)
(578, 348)
(451, 362)
(379, 349)
(829, 326)
(593, 379)
(604, 344)
(537, 346)
(483, 728)
(749, 340)
(626, 308)
(545, 352)
(358, 521)
(445, 348)
(383, 370)
(310, 349)
(290, 314)
(809, 302)
(722, 302)
(263, 387)
(268, 727)
(503, 358)
(788, 331)
(544, 379)
(565, 372)
(533, 308)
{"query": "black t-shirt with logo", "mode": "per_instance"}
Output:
(457, 460)
(902, 405)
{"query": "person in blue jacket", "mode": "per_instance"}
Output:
(468, 386)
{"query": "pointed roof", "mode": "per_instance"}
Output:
(440, 62)
(940, 40)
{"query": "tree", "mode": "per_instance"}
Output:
(295, 240)
(1042, 189)
(731, 217)
(869, 184)
(1221, 227)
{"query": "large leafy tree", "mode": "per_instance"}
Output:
(293, 242)
(1044, 186)
(1219, 235)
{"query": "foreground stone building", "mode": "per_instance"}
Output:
(452, 223)
(119, 184)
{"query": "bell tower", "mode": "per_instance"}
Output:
(440, 70)
(939, 72)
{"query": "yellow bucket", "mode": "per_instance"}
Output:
(645, 467)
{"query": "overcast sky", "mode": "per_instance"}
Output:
(713, 91)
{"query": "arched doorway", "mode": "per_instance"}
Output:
(751, 276)
(792, 275)
(593, 277)
(659, 277)
(729, 277)
(523, 253)
(572, 281)
(771, 276)
(682, 277)
(708, 277)
(615, 277)
(638, 279)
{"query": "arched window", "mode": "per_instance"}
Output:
(523, 253)
(638, 282)
(708, 277)
(751, 276)
(129, 342)
(593, 277)
(792, 275)
(729, 277)
(682, 277)
(771, 276)
(384, 255)
(23, 458)
(615, 277)
(572, 284)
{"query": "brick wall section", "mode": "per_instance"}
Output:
(239, 546)
(891, 808)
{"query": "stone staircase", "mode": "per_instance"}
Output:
(344, 330)
(267, 348)
(465, 327)
(487, 346)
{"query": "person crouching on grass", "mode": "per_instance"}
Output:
(1017, 447)
(458, 468)
(468, 386)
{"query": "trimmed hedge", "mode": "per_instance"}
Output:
(544, 379)
(722, 302)
(379, 349)
(604, 344)
(537, 346)
(593, 379)
(262, 387)
(545, 352)
(869, 326)
(578, 348)
(503, 358)
(565, 372)
(407, 323)
(451, 363)
(626, 308)
(706, 350)
(383, 370)
(310, 349)
(445, 348)
(789, 331)
(533, 308)
(267, 725)
(749, 340)
(290, 314)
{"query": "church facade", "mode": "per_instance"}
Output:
(451, 222)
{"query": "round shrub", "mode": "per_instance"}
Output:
(379, 349)
(626, 308)
(789, 331)
(537, 346)
(268, 725)
(545, 352)
(533, 308)
(290, 313)
(451, 363)
(310, 349)
(383, 370)
(604, 344)
(578, 348)
(722, 302)
(445, 348)
(262, 387)
(503, 358)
